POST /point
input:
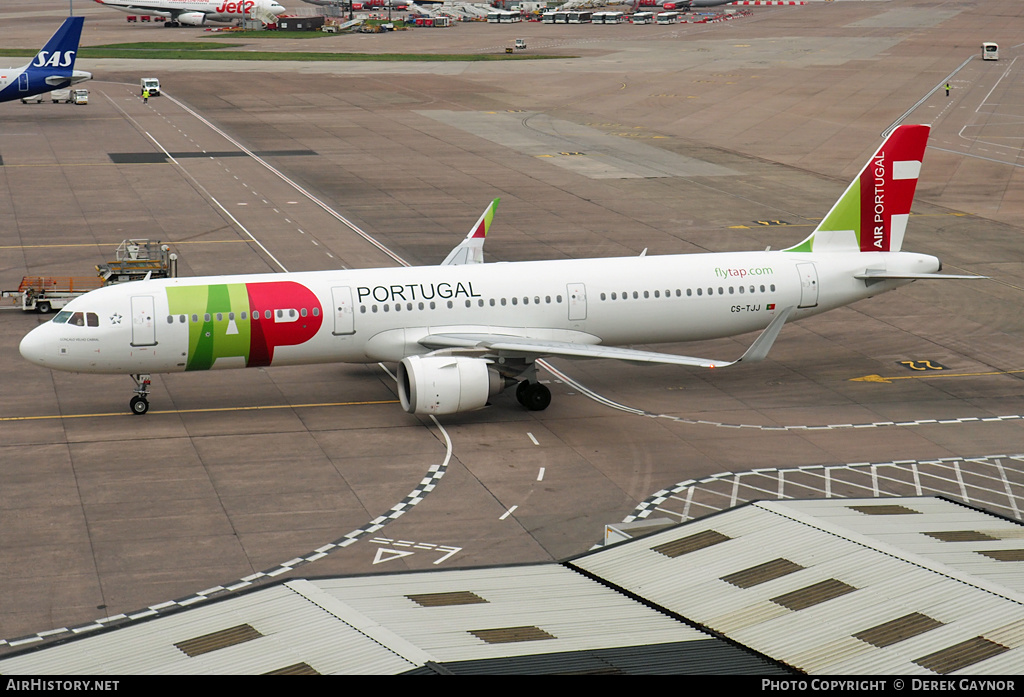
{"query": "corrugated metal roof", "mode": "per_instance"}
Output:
(554, 599)
(370, 624)
(856, 576)
(294, 630)
(830, 587)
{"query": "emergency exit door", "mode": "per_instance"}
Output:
(344, 311)
(577, 293)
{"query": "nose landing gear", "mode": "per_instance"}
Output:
(140, 403)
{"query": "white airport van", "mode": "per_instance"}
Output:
(151, 84)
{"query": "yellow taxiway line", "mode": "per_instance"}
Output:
(931, 374)
(200, 411)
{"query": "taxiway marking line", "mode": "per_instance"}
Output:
(932, 374)
(202, 411)
(109, 244)
(214, 200)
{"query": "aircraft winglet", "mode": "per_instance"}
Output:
(763, 343)
(471, 249)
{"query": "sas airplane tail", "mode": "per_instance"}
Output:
(52, 68)
(55, 62)
(871, 216)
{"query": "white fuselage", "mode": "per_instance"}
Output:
(172, 325)
(215, 10)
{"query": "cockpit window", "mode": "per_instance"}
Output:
(78, 319)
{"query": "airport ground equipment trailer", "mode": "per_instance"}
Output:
(44, 294)
(136, 260)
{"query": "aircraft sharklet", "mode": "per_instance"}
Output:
(501, 343)
(471, 249)
(758, 350)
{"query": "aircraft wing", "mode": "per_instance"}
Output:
(502, 343)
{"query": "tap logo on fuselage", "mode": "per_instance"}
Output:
(244, 320)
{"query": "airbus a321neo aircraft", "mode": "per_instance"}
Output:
(464, 330)
(51, 69)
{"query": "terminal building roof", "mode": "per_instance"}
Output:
(868, 586)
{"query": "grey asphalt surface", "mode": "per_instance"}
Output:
(704, 137)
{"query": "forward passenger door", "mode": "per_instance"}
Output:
(143, 321)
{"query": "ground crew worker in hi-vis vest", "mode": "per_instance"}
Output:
(145, 96)
(947, 89)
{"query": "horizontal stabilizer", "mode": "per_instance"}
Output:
(57, 80)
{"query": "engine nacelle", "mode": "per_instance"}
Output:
(446, 384)
(192, 19)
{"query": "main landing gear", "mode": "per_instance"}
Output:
(140, 403)
(533, 395)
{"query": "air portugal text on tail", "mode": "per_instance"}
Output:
(53, 67)
(464, 330)
(872, 214)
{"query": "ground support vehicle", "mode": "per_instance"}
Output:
(151, 84)
(136, 260)
(44, 294)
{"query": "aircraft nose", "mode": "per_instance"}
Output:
(33, 346)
